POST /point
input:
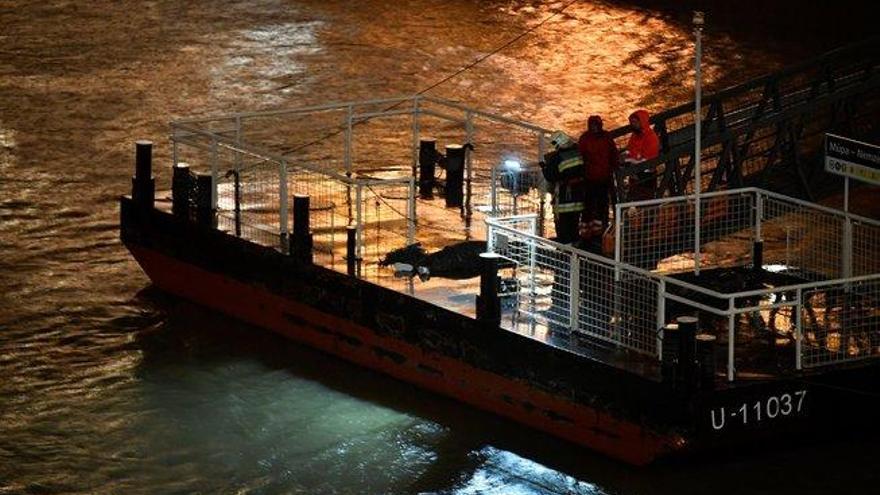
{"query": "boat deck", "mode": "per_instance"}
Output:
(439, 227)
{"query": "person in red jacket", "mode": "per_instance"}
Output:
(600, 158)
(643, 145)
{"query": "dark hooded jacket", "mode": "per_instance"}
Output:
(644, 144)
(598, 151)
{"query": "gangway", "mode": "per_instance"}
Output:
(762, 133)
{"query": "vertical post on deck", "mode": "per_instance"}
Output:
(236, 177)
(542, 207)
(799, 335)
(493, 190)
(661, 316)
(846, 269)
(302, 244)
(359, 221)
(488, 303)
(182, 185)
(351, 249)
(238, 141)
(574, 292)
(698, 118)
(731, 341)
(215, 171)
(618, 242)
(348, 132)
(411, 212)
(468, 164)
(758, 243)
(416, 136)
(143, 184)
(846, 194)
(416, 140)
(705, 353)
(282, 207)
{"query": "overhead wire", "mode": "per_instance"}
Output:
(446, 79)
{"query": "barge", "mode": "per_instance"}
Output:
(640, 354)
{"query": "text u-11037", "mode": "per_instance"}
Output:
(759, 411)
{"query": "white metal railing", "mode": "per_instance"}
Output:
(279, 134)
(253, 193)
(811, 241)
(572, 290)
(834, 252)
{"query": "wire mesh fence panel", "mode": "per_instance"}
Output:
(385, 218)
(840, 323)
(573, 292)
(660, 235)
(865, 245)
(813, 239)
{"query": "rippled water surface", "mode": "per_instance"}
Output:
(109, 386)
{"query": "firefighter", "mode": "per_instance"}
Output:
(563, 168)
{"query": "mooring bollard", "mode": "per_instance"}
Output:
(302, 236)
(669, 360)
(455, 175)
(204, 209)
(351, 249)
(427, 167)
(143, 184)
(687, 331)
(182, 185)
(488, 302)
(758, 256)
(705, 350)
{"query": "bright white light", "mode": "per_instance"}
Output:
(512, 165)
(775, 268)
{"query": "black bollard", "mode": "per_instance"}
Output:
(427, 167)
(204, 209)
(488, 302)
(757, 256)
(302, 236)
(687, 331)
(182, 186)
(143, 184)
(351, 249)
(455, 175)
(669, 359)
(705, 351)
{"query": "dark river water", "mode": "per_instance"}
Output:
(109, 386)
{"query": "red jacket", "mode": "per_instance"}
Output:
(645, 144)
(599, 154)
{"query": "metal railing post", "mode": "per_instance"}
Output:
(661, 316)
(493, 190)
(759, 215)
(215, 171)
(282, 207)
(416, 140)
(618, 242)
(416, 136)
(542, 146)
(469, 177)
(799, 335)
(846, 269)
(359, 219)
(731, 340)
(238, 141)
(411, 212)
(348, 132)
(574, 291)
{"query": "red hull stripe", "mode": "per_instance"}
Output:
(623, 440)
